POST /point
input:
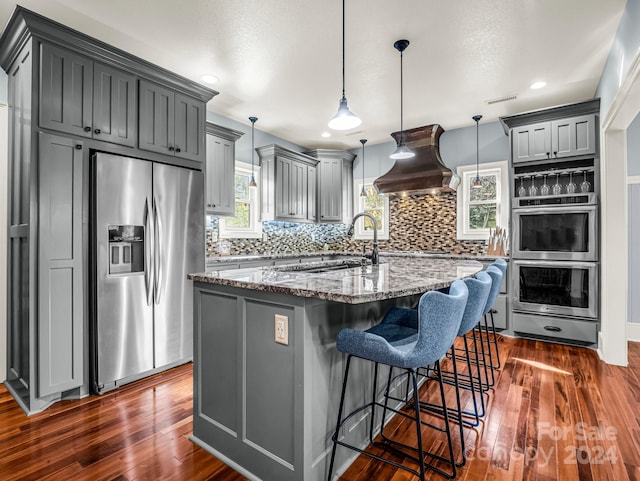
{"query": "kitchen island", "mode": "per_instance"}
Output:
(268, 408)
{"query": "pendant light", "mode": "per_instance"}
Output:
(477, 183)
(344, 118)
(252, 182)
(362, 192)
(402, 151)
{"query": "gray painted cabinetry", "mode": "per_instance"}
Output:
(288, 183)
(70, 95)
(335, 185)
(554, 140)
(220, 169)
(86, 98)
(171, 123)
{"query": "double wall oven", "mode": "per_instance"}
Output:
(555, 263)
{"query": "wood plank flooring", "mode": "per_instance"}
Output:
(555, 413)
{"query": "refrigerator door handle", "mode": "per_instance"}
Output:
(148, 251)
(158, 253)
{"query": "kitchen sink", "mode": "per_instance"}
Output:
(324, 266)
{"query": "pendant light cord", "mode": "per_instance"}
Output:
(401, 96)
(343, 27)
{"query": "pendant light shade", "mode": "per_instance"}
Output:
(363, 193)
(252, 182)
(477, 183)
(344, 118)
(402, 151)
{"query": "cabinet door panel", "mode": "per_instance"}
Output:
(66, 82)
(531, 142)
(189, 128)
(312, 194)
(114, 105)
(220, 168)
(60, 282)
(283, 190)
(331, 190)
(156, 129)
(574, 136)
(298, 190)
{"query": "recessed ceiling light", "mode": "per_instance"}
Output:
(325, 135)
(209, 79)
(538, 85)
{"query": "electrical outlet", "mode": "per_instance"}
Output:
(282, 329)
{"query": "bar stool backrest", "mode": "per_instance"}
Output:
(439, 318)
(496, 280)
(479, 289)
(501, 264)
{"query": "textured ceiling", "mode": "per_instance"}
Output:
(280, 60)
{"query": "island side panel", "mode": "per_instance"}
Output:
(240, 370)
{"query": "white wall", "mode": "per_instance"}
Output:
(4, 115)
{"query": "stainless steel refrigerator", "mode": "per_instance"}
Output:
(148, 233)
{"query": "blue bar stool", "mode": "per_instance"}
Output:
(502, 265)
(479, 290)
(486, 356)
(398, 344)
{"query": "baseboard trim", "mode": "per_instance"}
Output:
(633, 331)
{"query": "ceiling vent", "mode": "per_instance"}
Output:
(501, 99)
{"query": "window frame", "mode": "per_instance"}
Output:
(255, 229)
(467, 174)
(359, 233)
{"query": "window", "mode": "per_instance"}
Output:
(375, 204)
(485, 208)
(246, 223)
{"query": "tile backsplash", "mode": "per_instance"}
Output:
(416, 223)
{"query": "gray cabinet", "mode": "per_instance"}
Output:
(335, 185)
(86, 98)
(171, 123)
(60, 275)
(554, 140)
(288, 181)
(67, 94)
(220, 170)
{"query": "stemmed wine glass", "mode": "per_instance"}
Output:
(522, 192)
(557, 188)
(544, 189)
(571, 187)
(585, 186)
(533, 190)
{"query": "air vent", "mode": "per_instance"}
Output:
(501, 99)
(353, 133)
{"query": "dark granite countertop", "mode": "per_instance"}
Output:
(396, 276)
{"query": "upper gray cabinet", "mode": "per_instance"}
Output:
(335, 184)
(288, 183)
(555, 139)
(86, 98)
(220, 170)
(171, 123)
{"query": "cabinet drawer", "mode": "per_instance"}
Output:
(571, 329)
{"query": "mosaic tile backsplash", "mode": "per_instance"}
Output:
(416, 223)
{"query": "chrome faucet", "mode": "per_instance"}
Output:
(374, 249)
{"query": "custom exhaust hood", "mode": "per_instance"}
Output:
(425, 173)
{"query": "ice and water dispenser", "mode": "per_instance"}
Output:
(126, 249)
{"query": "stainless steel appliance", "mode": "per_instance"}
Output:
(557, 231)
(148, 234)
(558, 288)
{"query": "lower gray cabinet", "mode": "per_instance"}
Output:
(60, 278)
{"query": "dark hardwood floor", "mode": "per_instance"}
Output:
(556, 412)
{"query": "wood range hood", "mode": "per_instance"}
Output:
(423, 174)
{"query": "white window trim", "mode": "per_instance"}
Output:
(467, 174)
(255, 231)
(359, 233)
